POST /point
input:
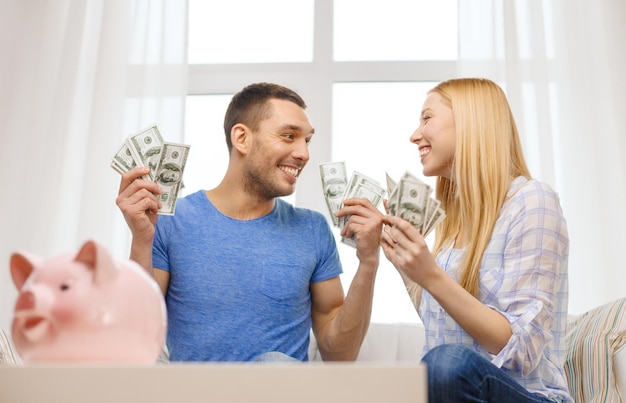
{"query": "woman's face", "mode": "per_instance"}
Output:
(436, 137)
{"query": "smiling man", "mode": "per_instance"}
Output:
(245, 274)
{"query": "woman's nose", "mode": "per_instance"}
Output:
(416, 136)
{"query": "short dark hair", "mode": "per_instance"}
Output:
(250, 106)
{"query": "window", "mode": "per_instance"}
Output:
(363, 67)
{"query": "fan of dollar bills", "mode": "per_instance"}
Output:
(409, 199)
(166, 161)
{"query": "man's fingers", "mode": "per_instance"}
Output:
(130, 176)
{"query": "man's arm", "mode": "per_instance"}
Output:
(339, 323)
(162, 277)
(139, 204)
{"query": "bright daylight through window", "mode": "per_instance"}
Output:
(363, 70)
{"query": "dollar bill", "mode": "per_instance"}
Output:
(334, 183)
(145, 147)
(392, 201)
(169, 174)
(431, 211)
(361, 186)
(123, 160)
(438, 216)
(411, 199)
(391, 184)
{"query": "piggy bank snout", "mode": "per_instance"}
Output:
(31, 323)
(35, 297)
(25, 301)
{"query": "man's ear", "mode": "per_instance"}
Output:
(240, 136)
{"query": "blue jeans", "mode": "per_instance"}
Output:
(456, 373)
(275, 356)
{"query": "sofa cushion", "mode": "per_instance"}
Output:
(592, 340)
(393, 342)
(385, 342)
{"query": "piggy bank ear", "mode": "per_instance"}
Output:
(22, 265)
(96, 258)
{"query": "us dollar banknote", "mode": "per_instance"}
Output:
(361, 186)
(334, 183)
(146, 149)
(391, 188)
(169, 174)
(123, 160)
(411, 199)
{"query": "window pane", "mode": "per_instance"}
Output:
(250, 31)
(372, 123)
(204, 132)
(367, 30)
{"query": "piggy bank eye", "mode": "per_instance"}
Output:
(64, 287)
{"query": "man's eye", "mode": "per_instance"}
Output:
(288, 136)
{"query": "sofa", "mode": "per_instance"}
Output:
(595, 362)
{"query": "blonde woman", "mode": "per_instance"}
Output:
(493, 295)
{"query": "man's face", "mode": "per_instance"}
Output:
(279, 151)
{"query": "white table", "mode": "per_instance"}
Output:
(215, 382)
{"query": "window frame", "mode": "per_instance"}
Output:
(314, 82)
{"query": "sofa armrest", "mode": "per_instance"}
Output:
(619, 364)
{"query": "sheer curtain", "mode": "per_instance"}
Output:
(562, 64)
(77, 77)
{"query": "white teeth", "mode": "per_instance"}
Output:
(424, 151)
(291, 171)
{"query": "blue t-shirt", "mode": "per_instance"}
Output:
(241, 288)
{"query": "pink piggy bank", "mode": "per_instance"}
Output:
(86, 307)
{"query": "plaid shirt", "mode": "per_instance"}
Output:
(523, 275)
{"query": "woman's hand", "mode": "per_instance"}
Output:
(406, 249)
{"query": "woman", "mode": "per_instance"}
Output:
(493, 298)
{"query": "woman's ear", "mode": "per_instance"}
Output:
(240, 137)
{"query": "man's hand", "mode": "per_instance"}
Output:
(138, 201)
(365, 224)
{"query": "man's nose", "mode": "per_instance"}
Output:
(302, 151)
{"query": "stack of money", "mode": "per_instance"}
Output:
(166, 161)
(337, 189)
(411, 200)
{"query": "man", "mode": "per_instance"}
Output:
(246, 274)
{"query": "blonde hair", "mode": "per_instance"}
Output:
(488, 157)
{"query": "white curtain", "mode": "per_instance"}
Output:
(563, 66)
(77, 77)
